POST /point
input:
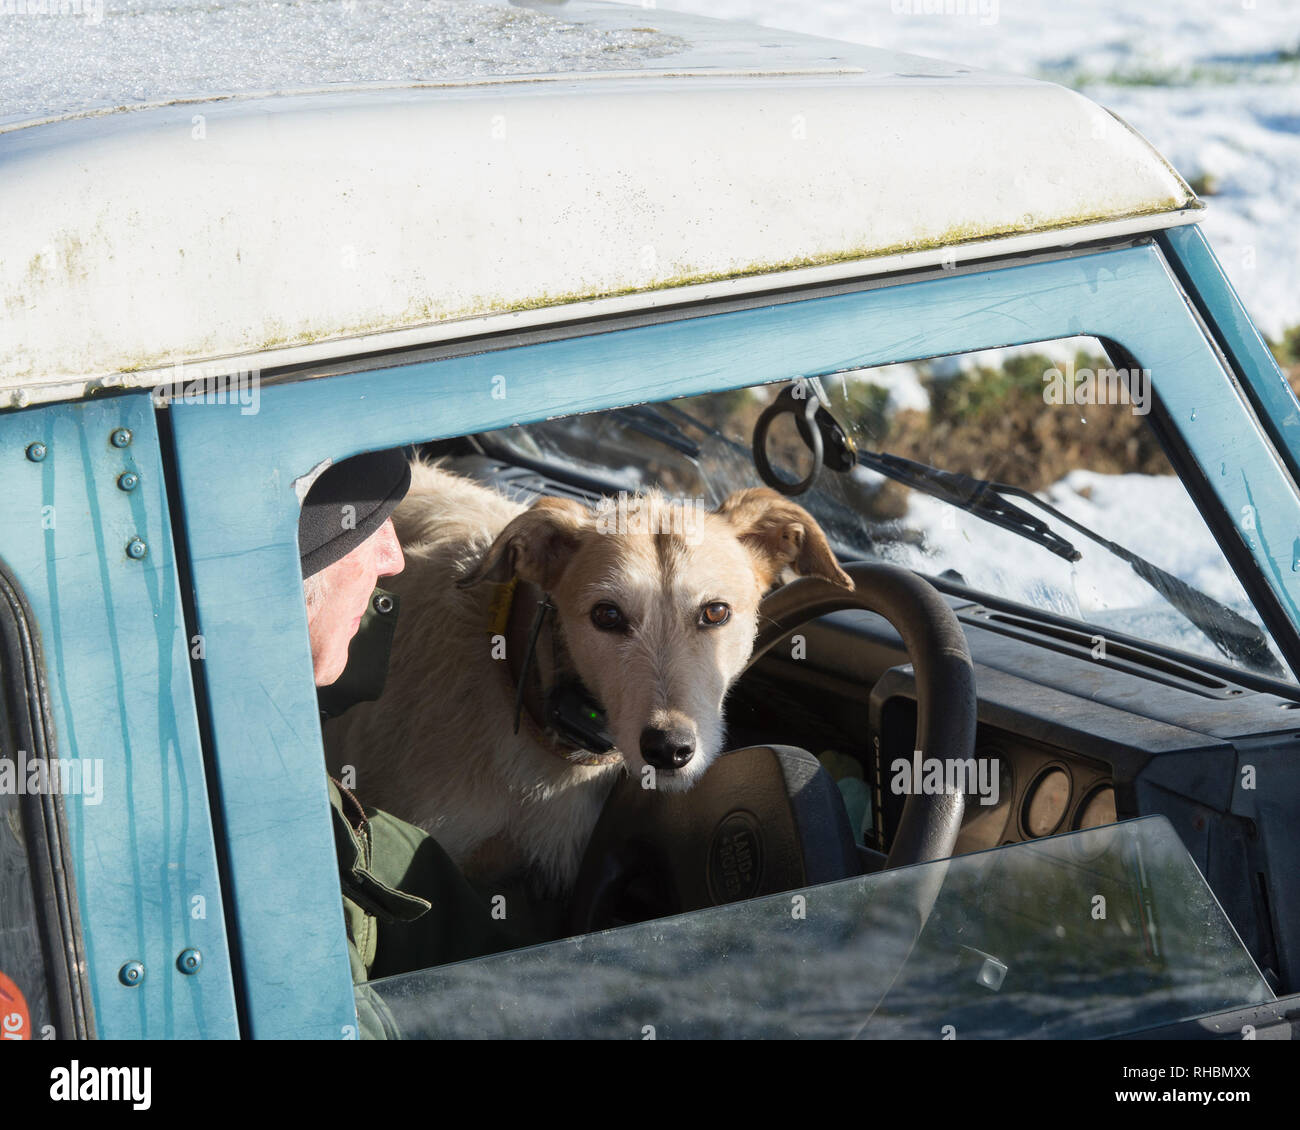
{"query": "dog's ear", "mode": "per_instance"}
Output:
(535, 546)
(780, 535)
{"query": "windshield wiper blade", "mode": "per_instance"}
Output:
(642, 418)
(1229, 631)
(977, 496)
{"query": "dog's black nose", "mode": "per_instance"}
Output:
(667, 749)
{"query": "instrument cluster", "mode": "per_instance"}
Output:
(1041, 792)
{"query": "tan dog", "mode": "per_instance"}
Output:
(655, 611)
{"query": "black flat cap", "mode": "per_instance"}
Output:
(347, 503)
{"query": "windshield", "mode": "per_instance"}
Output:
(1094, 933)
(1021, 417)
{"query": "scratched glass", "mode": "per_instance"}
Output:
(1095, 933)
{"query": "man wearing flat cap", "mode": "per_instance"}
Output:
(405, 903)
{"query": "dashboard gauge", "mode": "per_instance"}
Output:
(1046, 802)
(1093, 814)
(1098, 809)
(982, 824)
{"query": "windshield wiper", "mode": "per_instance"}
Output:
(642, 418)
(1229, 631)
(976, 496)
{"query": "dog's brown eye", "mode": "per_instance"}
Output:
(608, 618)
(714, 615)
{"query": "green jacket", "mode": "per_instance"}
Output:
(406, 904)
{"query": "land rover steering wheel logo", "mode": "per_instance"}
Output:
(735, 858)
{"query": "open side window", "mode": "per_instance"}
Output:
(43, 989)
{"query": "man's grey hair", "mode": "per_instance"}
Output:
(314, 590)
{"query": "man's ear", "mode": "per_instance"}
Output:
(781, 535)
(535, 546)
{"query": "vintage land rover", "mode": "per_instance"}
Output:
(967, 320)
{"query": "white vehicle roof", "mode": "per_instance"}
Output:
(175, 197)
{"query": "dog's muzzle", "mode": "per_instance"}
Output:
(667, 749)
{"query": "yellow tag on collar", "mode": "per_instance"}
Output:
(499, 610)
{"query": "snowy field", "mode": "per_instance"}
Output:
(1213, 84)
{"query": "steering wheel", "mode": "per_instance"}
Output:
(946, 707)
(945, 681)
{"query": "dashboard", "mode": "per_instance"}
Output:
(1077, 744)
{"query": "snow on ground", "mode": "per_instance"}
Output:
(1248, 139)
(902, 382)
(1213, 84)
(1172, 42)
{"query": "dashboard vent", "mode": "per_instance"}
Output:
(1119, 654)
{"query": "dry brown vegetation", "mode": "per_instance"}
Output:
(989, 422)
(1024, 441)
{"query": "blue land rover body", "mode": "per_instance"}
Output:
(219, 292)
